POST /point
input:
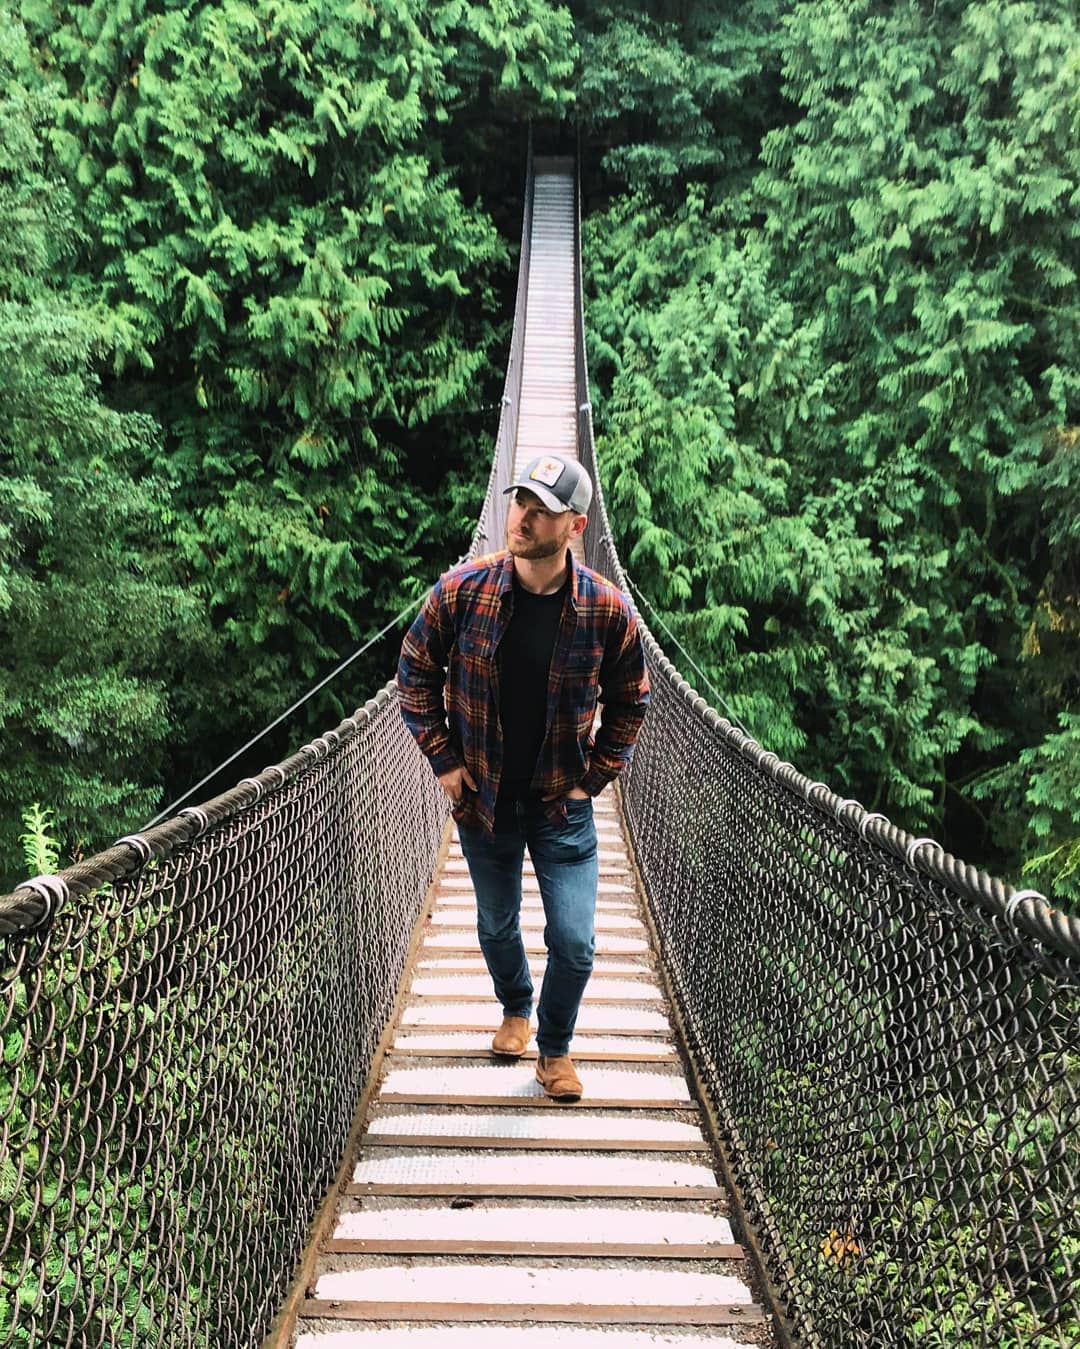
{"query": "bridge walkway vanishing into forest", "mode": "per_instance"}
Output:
(607, 1215)
(832, 1074)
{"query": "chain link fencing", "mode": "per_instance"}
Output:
(187, 1023)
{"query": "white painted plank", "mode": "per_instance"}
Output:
(509, 1284)
(593, 1223)
(604, 856)
(446, 1079)
(481, 1040)
(468, 1335)
(474, 964)
(477, 986)
(444, 916)
(454, 882)
(564, 1124)
(464, 936)
(447, 1166)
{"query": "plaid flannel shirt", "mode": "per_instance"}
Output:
(448, 681)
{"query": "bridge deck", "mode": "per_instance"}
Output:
(476, 1205)
(477, 1208)
(547, 420)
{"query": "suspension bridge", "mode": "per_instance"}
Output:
(831, 1073)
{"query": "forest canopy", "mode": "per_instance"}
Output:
(255, 284)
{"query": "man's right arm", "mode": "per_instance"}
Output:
(421, 678)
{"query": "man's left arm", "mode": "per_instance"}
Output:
(624, 696)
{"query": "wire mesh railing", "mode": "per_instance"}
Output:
(187, 1023)
(889, 1038)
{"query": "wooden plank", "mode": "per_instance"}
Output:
(643, 961)
(482, 1190)
(594, 1250)
(532, 913)
(433, 967)
(447, 1027)
(486, 1142)
(675, 1314)
(630, 976)
(523, 1102)
(613, 884)
(656, 1004)
(616, 909)
(617, 913)
(636, 928)
(429, 951)
(580, 1055)
(454, 878)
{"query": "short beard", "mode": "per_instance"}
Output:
(533, 551)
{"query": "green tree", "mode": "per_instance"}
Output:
(836, 395)
(87, 605)
(303, 294)
(669, 98)
(1035, 797)
(924, 204)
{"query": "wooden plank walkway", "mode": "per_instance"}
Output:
(478, 1212)
(477, 1207)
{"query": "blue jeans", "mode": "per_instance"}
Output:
(564, 859)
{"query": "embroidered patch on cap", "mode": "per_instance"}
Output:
(547, 471)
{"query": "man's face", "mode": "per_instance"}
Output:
(532, 531)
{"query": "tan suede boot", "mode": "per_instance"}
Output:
(511, 1037)
(559, 1078)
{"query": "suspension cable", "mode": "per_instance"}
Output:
(168, 810)
(290, 710)
(700, 672)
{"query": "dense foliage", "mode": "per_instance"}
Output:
(283, 227)
(95, 624)
(839, 379)
(257, 269)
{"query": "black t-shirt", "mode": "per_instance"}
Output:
(524, 660)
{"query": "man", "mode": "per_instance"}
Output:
(499, 678)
